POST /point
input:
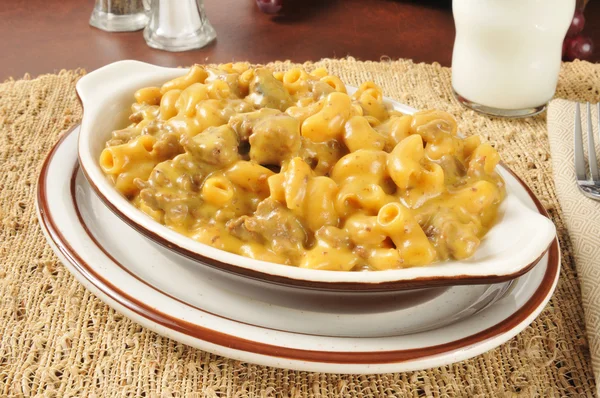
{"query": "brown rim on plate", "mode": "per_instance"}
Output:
(73, 185)
(415, 283)
(241, 344)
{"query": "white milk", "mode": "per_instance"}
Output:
(507, 53)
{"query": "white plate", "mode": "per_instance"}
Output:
(226, 323)
(509, 249)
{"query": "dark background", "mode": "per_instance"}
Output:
(44, 36)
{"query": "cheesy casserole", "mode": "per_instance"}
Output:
(287, 167)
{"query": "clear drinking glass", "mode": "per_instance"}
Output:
(119, 15)
(178, 25)
(507, 53)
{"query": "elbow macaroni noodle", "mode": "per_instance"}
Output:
(287, 167)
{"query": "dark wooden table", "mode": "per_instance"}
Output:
(44, 36)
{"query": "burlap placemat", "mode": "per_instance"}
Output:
(57, 339)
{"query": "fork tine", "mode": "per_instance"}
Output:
(578, 147)
(592, 161)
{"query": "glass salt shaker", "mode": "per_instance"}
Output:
(178, 25)
(119, 15)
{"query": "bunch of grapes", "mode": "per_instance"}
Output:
(576, 45)
(270, 6)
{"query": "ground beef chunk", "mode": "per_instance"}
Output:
(274, 140)
(272, 223)
(215, 145)
(268, 92)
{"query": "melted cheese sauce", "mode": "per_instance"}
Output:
(287, 167)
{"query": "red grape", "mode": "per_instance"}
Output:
(577, 24)
(270, 6)
(579, 47)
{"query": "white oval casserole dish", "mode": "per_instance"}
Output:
(511, 248)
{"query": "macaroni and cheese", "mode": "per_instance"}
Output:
(287, 167)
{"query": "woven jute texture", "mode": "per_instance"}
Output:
(57, 339)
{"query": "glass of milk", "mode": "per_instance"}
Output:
(507, 53)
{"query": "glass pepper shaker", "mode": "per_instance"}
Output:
(178, 25)
(119, 15)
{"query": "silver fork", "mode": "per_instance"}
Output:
(589, 186)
